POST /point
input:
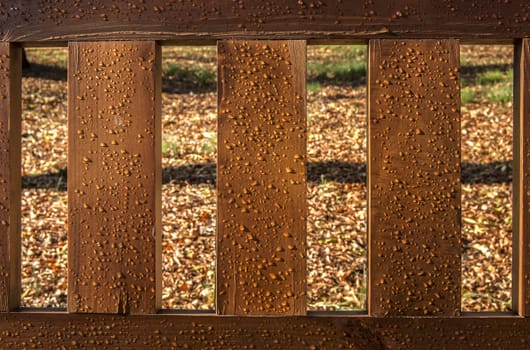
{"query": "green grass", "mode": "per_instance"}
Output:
(495, 86)
(48, 56)
(356, 52)
(210, 142)
(313, 86)
(341, 72)
(170, 144)
(468, 61)
(330, 64)
(323, 180)
(467, 96)
(502, 93)
(181, 76)
(492, 77)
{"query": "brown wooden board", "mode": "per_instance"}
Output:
(414, 177)
(10, 109)
(261, 184)
(114, 177)
(214, 19)
(151, 332)
(521, 172)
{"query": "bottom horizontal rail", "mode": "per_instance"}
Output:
(76, 331)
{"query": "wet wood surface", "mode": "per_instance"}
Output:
(414, 178)
(521, 172)
(75, 331)
(10, 109)
(261, 245)
(114, 177)
(114, 173)
(31, 21)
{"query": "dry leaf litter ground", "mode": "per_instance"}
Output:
(336, 180)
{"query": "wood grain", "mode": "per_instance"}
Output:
(414, 178)
(31, 21)
(261, 184)
(114, 177)
(10, 109)
(521, 173)
(151, 332)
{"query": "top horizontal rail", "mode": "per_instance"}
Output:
(56, 21)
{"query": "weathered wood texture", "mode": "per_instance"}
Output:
(261, 265)
(414, 177)
(163, 19)
(10, 105)
(114, 177)
(521, 273)
(151, 332)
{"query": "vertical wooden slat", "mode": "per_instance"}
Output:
(521, 174)
(414, 181)
(114, 177)
(10, 109)
(261, 178)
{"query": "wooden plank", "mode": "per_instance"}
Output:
(151, 332)
(521, 173)
(261, 178)
(10, 109)
(414, 177)
(114, 177)
(30, 21)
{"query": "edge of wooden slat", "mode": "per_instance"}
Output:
(521, 179)
(73, 244)
(15, 173)
(11, 203)
(524, 241)
(157, 71)
(369, 239)
(517, 211)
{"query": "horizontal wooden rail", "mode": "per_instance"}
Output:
(30, 21)
(56, 331)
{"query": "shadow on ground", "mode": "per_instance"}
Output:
(317, 172)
